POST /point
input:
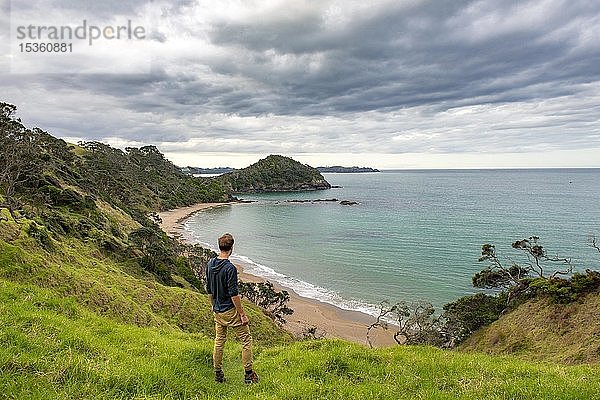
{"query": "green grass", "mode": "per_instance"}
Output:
(53, 348)
(542, 330)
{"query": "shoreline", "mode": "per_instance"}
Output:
(329, 320)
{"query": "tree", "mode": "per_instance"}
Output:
(17, 155)
(196, 257)
(415, 323)
(156, 253)
(516, 279)
(272, 302)
(469, 313)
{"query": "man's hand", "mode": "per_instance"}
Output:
(237, 302)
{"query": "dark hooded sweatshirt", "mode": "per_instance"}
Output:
(222, 283)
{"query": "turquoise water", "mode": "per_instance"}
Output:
(416, 235)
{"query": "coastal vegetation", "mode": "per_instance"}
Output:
(97, 302)
(560, 302)
(69, 225)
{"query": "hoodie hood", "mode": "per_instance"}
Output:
(218, 263)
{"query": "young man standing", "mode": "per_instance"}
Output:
(222, 289)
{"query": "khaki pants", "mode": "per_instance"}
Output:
(231, 318)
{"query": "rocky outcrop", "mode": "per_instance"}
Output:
(311, 201)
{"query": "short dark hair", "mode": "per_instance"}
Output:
(226, 242)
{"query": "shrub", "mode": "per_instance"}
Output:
(469, 313)
(40, 234)
(564, 291)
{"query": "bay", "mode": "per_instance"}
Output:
(415, 235)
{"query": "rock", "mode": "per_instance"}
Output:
(311, 201)
(348, 203)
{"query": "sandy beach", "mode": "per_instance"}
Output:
(330, 321)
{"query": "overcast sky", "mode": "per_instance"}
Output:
(390, 84)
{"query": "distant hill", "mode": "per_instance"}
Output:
(340, 169)
(197, 170)
(274, 174)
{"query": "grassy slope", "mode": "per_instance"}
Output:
(54, 348)
(120, 290)
(540, 330)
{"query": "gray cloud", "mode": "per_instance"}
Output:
(277, 76)
(92, 9)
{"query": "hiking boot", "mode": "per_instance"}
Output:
(219, 376)
(250, 377)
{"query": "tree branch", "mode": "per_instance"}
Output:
(595, 243)
(384, 310)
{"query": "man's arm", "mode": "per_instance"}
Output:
(207, 285)
(237, 302)
(232, 283)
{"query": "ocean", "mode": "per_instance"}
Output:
(415, 235)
